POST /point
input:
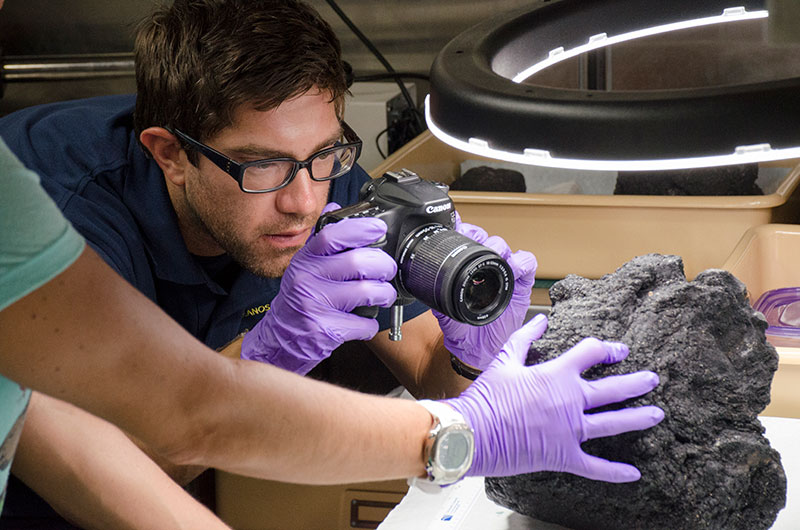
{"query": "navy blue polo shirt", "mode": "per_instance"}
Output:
(90, 162)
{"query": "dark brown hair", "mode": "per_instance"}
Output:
(197, 61)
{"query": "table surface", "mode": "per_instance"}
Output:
(464, 506)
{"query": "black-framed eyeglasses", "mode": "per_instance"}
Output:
(270, 174)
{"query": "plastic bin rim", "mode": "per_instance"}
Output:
(740, 202)
(745, 202)
(750, 238)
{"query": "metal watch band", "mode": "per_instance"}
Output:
(447, 421)
(442, 413)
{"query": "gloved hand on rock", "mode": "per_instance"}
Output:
(533, 418)
(477, 346)
(329, 277)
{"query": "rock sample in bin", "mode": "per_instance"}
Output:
(723, 180)
(707, 464)
(485, 178)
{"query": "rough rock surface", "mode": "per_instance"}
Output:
(723, 180)
(707, 464)
(485, 178)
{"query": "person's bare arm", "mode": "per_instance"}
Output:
(93, 475)
(90, 338)
(420, 361)
(183, 475)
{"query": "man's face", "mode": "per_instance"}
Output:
(263, 231)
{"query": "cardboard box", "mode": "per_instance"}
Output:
(246, 503)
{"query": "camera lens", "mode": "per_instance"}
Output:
(483, 288)
(454, 275)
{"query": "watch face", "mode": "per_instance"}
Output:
(453, 450)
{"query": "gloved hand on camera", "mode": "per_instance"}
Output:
(477, 346)
(532, 418)
(327, 279)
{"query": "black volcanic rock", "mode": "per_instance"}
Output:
(485, 178)
(707, 464)
(723, 180)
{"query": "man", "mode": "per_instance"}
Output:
(168, 194)
(253, 81)
(72, 328)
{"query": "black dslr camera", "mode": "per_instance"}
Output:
(447, 271)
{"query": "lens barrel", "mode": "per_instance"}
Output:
(455, 275)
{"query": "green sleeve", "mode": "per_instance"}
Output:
(36, 240)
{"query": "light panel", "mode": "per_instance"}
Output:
(601, 40)
(537, 157)
(479, 105)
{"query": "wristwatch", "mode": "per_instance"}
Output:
(463, 369)
(449, 447)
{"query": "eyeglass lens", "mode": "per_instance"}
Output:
(324, 166)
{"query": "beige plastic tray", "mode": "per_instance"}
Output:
(767, 258)
(592, 235)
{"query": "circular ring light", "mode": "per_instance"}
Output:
(477, 103)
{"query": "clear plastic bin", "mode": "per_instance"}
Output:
(766, 259)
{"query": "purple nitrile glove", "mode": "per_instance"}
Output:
(477, 346)
(531, 418)
(327, 278)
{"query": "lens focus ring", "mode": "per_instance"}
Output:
(439, 267)
(427, 254)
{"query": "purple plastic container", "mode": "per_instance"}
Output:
(781, 307)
